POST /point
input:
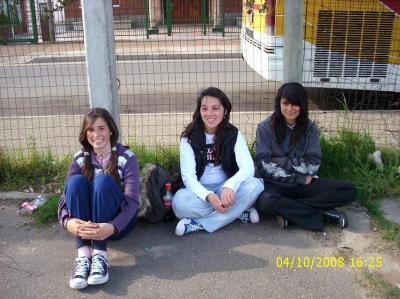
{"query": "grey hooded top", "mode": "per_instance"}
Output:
(284, 164)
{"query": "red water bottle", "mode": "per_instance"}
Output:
(167, 197)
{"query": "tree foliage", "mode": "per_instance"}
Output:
(265, 6)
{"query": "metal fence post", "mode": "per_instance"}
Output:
(168, 4)
(204, 16)
(222, 12)
(146, 17)
(34, 23)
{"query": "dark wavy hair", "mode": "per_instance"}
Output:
(90, 117)
(197, 122)
(295, 94)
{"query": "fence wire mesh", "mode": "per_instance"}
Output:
(163, 61)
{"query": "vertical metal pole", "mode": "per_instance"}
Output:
(146, 17)
(204, 16)
(34, 23)
(100, 55)
(8, 11)
(222, 13)
(293, 41)
(169, 4)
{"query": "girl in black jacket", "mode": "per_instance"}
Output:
(288, 156)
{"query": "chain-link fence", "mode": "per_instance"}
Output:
(163, 60)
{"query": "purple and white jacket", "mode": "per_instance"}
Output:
(129, 173)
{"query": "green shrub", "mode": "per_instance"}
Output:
(345, 156)
(47, 212)
(166, 156)
(19, 170)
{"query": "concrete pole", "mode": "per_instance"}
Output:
(293, 41)
(100, 55)
(152, 14)
(51, 22)
(215, 12)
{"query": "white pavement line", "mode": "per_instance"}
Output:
(38, 64)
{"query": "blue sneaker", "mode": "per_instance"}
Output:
(99, 271)
(249, 216)
(79, 279)
(186, 226)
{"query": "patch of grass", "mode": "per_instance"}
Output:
(345, 157)
(19, 170)
(380, 288)
(165, 156)
(47, 212)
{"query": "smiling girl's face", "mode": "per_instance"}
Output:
(212, 113)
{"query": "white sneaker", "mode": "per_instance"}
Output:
(186, 226)
(79, 279)
(99, 270)
(249, 216)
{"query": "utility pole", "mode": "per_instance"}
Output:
(293, 43)
(100, 55)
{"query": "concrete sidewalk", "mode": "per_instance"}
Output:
(238, 261)
(135, 46)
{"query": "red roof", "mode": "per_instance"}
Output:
(393, 5)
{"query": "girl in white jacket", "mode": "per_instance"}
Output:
(217, 170)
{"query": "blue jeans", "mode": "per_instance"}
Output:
(186, 204)
(98, 201)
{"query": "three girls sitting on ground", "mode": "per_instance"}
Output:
(101, 197)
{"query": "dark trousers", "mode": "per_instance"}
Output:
(98, 202)
(304, 204)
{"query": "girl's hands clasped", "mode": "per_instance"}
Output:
(89, 230)
(227, 197)
(222, 203)
(216, 202)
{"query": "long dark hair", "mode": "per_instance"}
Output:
(90, 117)
(197, 122)
(295, 94)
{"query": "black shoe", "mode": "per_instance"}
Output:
(281, 222)
(337, 218)
(99, 270)
(79, 279)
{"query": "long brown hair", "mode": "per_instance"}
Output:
(197, 122)
(112, 166)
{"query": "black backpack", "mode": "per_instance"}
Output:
(152, 189)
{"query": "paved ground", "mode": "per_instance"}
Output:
(239, 261)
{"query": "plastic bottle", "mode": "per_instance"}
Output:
(39, 201)
(167, 197)
(28, 208)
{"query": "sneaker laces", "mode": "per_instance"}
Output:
(245, 217)
(82, 266)
(192, 226)
(334, 215)
(98, 263)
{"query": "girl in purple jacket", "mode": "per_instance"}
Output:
(101, 196)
